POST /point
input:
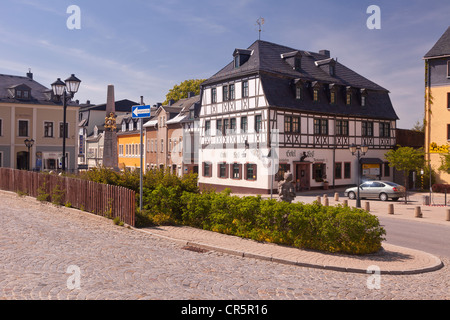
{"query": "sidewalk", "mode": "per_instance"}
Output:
(391, 259)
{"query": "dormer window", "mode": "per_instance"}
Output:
(363, 97)
(21, 91)
(294, 59)
(333, 93)
(241, 56)
(298, 87)
(316, 91)
(349, 96)
(298, 93)
(332, 70)
(333, 97)
(327, 65)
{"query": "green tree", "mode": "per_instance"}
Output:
(406, 159)
(180, 91)
(419, 127)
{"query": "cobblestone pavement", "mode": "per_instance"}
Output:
(40, 242)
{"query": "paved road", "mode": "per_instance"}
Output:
(39, 243)
(431, 238)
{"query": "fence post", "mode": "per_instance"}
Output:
(391, 209)
(418, 212)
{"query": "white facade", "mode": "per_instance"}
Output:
(238, 135)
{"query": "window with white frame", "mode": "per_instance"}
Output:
(48, 129)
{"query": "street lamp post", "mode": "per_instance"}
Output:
(65, 91)
(29, 144)
(359, 151)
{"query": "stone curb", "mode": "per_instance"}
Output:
(437, 264)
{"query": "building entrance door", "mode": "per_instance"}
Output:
(22, 160)
(302, 176)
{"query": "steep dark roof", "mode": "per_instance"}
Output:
(278, 76)
(266, 57)
(280, 93)
(124, 105)
(39, 93)
(441, 48)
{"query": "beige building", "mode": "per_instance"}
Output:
(28, 111)
(437, 105)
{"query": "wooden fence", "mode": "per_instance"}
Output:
(101, 199)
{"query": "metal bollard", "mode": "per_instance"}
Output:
(391, 209)
(418, 212)
(367, 206)
(336, 196)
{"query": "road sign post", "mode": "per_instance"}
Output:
(141, 112)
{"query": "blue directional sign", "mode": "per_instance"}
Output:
(141, 112)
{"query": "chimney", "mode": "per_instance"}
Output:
(29, 74)
(326, 53)
(191, 94)
(171, 102)
(88, 101)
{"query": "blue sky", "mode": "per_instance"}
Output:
(145, 47)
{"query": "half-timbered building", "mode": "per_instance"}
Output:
(274, 109)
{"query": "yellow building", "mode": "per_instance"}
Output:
(128, 142)
(437, 105)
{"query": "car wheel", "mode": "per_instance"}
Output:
(352, 195)
(383, 197)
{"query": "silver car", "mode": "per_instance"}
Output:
(383, 190)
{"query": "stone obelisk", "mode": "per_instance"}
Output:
(110, 156)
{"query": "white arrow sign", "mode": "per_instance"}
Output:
(141, 112)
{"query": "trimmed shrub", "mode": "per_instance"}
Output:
(307, 226)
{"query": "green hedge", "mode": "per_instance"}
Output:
(307, 226)
(168, 199)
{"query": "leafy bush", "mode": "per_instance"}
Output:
(307, 226)
(169, 199)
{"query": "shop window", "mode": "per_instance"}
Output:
(319, 172)
(387, 170)
(338, 170)
(250, 172)
(222, 170)
(347, 170)
(207, 169)
(237, 168)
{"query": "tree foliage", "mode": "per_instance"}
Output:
(406, 159)
(180, 91)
